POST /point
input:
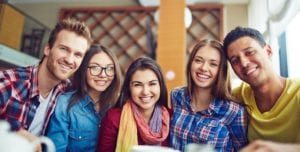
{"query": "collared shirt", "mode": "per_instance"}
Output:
(75, 129)
(281, 123)
(223, 125)
(19, 96)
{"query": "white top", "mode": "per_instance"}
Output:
(37, 123)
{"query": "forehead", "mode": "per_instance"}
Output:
(101, 58)
(144, 75)
(208, 52)
(72, 41)
(241, 44)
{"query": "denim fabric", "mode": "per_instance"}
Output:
(76, 129)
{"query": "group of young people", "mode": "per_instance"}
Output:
(77, 97)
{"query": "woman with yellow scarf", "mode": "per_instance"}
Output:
(141, 116)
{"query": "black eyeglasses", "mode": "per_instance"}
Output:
(96, 70)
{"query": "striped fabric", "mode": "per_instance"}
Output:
(223, 124)
(19, 96)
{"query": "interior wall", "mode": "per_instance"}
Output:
(48, 13)
(235, 15)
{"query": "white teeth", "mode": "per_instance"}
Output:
(65, 67)
(250, 71)
(145, 98)
(100, 82)
(203, 76)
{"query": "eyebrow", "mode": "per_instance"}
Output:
(94, 63)
(245, 49)
(214, 60)
(142, 82)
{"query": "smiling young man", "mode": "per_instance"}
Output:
(272, 101)
(28, 94)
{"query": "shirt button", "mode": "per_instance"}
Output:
(79, 137)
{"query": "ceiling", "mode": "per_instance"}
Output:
(143, 2)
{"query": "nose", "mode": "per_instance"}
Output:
(146, 90)
(204, 66)
(244, 61)
(69, 59)
(102, 73)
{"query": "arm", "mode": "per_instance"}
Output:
(58, 128)
(261, 145)
(238, 129)
(24, 133)
(109, 131)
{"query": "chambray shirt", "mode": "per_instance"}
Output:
(223, 124)
(76, 129)
(19, 96)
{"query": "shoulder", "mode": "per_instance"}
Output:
(180, 89)
(63, 100)
(114, 113)
(179, 92)
(230, 109)
(16, 74)
(112, 117)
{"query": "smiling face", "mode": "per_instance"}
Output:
(145, 89)
(205, 67)
(99, 83)
(249, 60)
(66, 54)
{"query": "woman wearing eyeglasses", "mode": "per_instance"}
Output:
(77, 118)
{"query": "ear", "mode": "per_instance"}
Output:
(269, 50)
(47, 50)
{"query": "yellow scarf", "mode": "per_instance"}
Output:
(129, 123)
(127, 129)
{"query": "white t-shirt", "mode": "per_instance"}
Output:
(37, 123)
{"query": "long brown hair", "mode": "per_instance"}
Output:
(142, 64)
(79, 83)
(222, 87)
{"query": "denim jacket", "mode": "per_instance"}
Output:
(76, 129)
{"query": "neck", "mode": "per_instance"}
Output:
(201, 98)
(45, 80)
(268, 93)
(95, 95)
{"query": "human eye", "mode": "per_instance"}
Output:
(153, 83)
(250, 52)
(197, 60)
(79, 55)
(234, 61)
(213, 64)
(95, 67)
(110, 68)
(136, 84)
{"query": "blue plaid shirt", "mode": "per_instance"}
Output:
(223, 125)
(19, 96)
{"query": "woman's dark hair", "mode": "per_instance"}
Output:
(143, 63)
(79, 82)
(222, 87)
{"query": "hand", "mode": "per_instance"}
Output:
(268, 146)
(30, 137)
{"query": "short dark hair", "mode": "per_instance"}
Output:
(239, 32)
(143, 63)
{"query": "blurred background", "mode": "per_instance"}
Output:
(131, 28)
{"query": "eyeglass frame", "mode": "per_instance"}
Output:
(102, 69)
